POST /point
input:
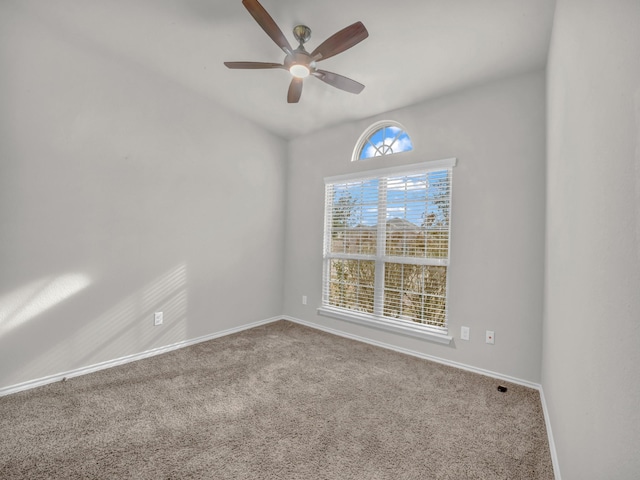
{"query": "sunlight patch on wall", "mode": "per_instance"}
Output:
(126, 328)
(29, 301)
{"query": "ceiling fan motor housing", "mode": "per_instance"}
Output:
(298, 57)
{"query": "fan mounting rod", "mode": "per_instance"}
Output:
(302, 34)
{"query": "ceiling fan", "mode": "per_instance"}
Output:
(299, 62)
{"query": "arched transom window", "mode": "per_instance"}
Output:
(382, 138)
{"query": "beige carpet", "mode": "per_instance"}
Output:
(275, 402)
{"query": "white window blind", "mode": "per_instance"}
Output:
(386, 246)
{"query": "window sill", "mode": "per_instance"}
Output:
(387, 325)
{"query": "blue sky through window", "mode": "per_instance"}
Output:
(386, 141)
(413, 198)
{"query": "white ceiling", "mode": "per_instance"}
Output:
(416, 50)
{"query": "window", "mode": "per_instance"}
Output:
(382, 138)
(386, 248)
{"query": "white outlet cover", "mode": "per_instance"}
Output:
(157, 318)
(491, 338)
(464, 333)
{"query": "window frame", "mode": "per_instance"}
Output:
(376, 320)
(372, 130)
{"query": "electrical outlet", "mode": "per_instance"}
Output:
(464, 333)
(157, 318)
(490, 337)
(304, 299)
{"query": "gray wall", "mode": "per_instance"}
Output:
(123, 193)
(591, 353)
(497, 132)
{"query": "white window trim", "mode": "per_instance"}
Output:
(396, 326)
(395, 170)
(422, 331)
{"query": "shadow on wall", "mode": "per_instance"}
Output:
(124, 329)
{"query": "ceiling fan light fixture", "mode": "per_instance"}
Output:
(299, 71)
(299, 62)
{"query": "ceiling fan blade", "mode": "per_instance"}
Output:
(341, 41)
(267, 23)
(253, 65)
(295, 90)
(338, 81)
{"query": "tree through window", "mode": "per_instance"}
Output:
(386, 245)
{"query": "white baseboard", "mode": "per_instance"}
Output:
(129, 358)
(415, 353)
(469, 368)
(552, 443)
